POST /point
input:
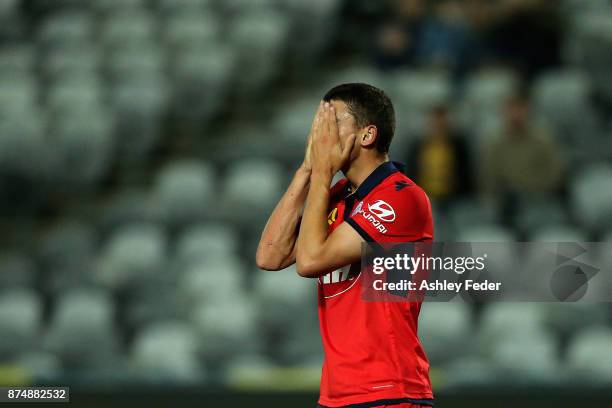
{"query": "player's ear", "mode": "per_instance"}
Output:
(368, 135)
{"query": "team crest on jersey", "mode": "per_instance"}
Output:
(382, 210)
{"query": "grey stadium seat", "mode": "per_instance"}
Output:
(64, 63)
(134, 252)
(66, 29)
(17, 270)
(129, 27)
(20, 322)
(206, 241)
(208, 281)
(509, 319)
(82, 329)
(260, 41)
(589, 357)
(532, 357)
(559, 233)
(183, 192)
(445, 329)
(201, 82)
(129, 205)
(225, 326)
(189, 29)
(591, 194)
(84, 147)
(168, 351)
(244, 176)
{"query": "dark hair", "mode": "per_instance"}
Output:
(370, 106)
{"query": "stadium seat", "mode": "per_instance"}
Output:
(23, 135)
(202, 84)
(485, 92)
(125, 28)
(20, 322)
(260, 42)
(151, 299)
(41, 364)
(125, 63)
(62, 64)
(17, 58)
(505, 320)
(206, 241)
(82, 330)
(591, 194)
(84, 88)
(225, 326)
(132, 253)
(105, 7)
(279, 297)
(563, 98)
(537, 214)
(185, 6)
(184, 191)
(208, 281)
(190, 29)
(84, 147)
(588, 355)
(253, 184)
(533, 357)
(485, 233)
(70, 242)
(470, 212)
(566, 319)
(129, 205)
(559, 233)
(139, 103)
(65, 30)
(18, 94)
(166, 351)
(445, 329)
(17, 270)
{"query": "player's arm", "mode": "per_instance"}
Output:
(318, 253)
(276, 249)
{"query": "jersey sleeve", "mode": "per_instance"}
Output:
(390, 216)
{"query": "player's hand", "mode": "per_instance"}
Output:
(327, 154)
(314, 127)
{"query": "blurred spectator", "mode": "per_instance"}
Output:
(439, 161)
(397, 41)
(446, 39)
(527, 34)
(523, 159)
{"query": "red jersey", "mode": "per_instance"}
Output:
(372, 351)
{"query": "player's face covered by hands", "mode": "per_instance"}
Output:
(333, 138)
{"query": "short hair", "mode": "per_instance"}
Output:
(370, 106)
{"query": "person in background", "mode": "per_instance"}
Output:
(439, 161)
(521, 161)
(396, 42)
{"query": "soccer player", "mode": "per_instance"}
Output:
(373, 357)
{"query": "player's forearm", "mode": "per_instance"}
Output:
(313, 230)
(276, 246)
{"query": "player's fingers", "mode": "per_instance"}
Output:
(333, 123)
(316, 119)
(348, 146)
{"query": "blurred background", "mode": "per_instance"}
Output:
(144, 142)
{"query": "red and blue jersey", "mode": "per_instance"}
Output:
(372, 352)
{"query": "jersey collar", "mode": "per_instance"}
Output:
(376, 177)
